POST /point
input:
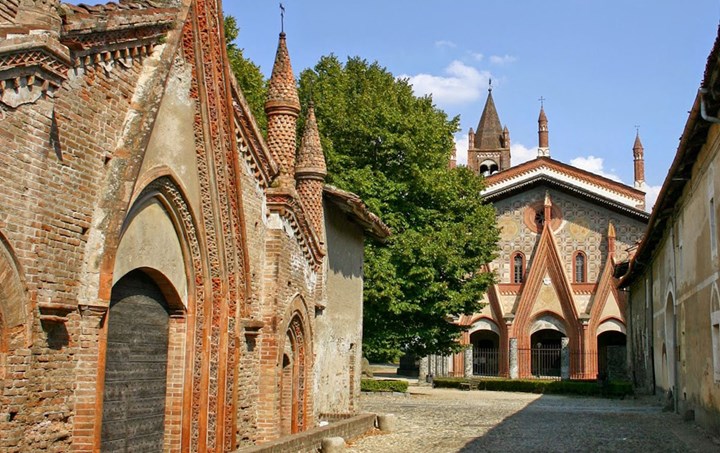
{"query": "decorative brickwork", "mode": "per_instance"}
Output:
(128, 150)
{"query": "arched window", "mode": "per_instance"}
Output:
(580, 267)
(518, 263)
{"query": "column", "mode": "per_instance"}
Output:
(514, 370)
(469, 361)
(565, 358)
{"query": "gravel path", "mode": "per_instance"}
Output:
(441, 420)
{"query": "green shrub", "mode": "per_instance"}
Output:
(374, 385)
(584, 388)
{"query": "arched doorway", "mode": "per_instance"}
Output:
(611, 354)
(294, 379)
(486, 348)
(670, 342)
(135, 366)
(545, 352)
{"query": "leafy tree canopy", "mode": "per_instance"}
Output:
(392, 148)
(248, 74)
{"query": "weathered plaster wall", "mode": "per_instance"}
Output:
(683, 273)
(150, 241)
(339, 325)
(171, 149)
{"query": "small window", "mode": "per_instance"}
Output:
(518, 267)
(580, 267)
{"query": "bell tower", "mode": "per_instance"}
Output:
(489, 146)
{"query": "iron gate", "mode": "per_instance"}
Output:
(485, 361)
(545, 362)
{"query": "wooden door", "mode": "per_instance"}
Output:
(136, 367)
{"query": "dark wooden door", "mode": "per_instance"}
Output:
(136, 367)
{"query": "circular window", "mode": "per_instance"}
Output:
(535, 217)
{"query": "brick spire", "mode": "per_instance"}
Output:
(310, 173)
(282, 107)
(543, 134)
(489, 131)
(639, 158)
(489, 145)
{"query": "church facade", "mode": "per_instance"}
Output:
(170, 279)
(555, 310)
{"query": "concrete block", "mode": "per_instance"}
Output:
(387, 423)
(333, 445)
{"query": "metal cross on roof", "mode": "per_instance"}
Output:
(282, 18)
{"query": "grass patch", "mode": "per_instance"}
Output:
(375, 385)
(584, 388)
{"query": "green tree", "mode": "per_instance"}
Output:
(392, 148)
(248, 75)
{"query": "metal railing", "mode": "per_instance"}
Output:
(486, 361)
(545, 362)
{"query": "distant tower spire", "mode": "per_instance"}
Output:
(489, 144)
(282, 107)
(543, 133)
(639, 158)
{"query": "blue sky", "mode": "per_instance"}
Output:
(603, 66)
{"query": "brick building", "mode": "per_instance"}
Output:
(555, 310)
(169, 278)
(674, 279)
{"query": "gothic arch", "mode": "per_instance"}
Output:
(181, 303)
(547, 320)
(546, 260)
(669, 344)
(611, 324)
(484, 323)
(295, 364)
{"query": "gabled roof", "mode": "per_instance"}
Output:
(694, 137)
(358, 212)
(544, 170)
(489, 130)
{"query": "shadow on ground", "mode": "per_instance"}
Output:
(574, 424)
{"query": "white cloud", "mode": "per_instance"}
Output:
(462, 84)
(445, 44)
(476, 56)
(461, 146)
(502, 60)
(520, 153)
(651, 194)
(594, 165)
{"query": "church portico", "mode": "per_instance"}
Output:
(554, 311)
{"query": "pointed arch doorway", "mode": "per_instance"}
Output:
(135, 366)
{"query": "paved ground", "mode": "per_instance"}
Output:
(441, 420)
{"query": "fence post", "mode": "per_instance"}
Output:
(423, 371)
(514, 371)
(565, 358)
(469, 361)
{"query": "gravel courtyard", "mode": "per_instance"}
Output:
(442, 420)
